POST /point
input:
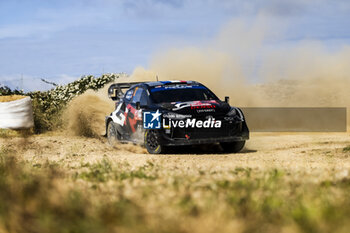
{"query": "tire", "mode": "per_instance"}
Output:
(232, 147)
(152, 142)
(113, 135)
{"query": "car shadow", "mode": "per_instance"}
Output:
(204, 149)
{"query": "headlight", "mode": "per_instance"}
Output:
(235, 112)
(232, 112)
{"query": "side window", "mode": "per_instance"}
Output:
(128, 94)
(144, 98)
(140, 96)
(137, 95)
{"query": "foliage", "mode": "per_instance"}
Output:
(346, 149)
(5, 90)
(48, 105)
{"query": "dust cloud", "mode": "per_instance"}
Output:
(246, 62)
(85, 114)
(242, 62)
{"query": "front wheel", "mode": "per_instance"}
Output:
(152, 142)
(232, 147)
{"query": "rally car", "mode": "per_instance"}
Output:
(173, 113)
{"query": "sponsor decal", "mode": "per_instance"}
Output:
(176, 116)
(179, 86)
(202, 106)
(129, 94)
(151, 120)
(206, 110)
(180, 106)
(176, 86)
(229, 118)
(195, 105)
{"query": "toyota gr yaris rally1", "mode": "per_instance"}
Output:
(174, 113)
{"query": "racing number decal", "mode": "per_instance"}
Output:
(117, 116)
(129, 118)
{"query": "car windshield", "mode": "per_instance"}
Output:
(168, 94)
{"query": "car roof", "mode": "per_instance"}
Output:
(163, 83)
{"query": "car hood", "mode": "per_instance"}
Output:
(198, 108)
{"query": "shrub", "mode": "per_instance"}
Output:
(4, 90)
(48, 105)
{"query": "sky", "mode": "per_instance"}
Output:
(61, 40)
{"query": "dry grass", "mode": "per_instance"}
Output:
(8, 133)
(281, 183)
(11, 98)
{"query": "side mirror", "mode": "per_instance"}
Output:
(227, 99)
(138, 106)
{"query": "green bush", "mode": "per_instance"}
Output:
(4, 90)
(48, 105)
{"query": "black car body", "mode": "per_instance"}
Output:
(172, 113)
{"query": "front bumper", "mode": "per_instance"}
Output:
(167, 141)
(230, 132)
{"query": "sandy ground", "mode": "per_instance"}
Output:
(313, 152)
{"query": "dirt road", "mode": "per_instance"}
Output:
(314, 152)
(278, 183)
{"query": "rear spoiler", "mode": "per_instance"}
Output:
(115, 91)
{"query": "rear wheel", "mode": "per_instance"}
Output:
(152, 142)
(232, 147)
(113, 135)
